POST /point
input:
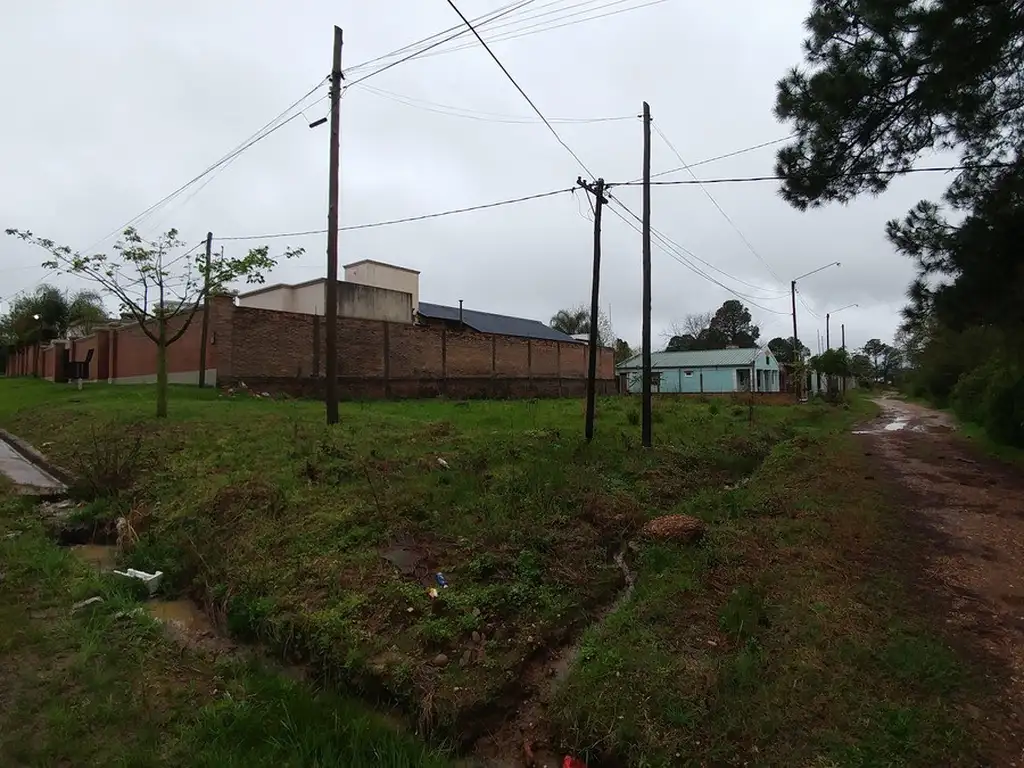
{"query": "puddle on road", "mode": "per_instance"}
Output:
(896, 426)
(102, 557)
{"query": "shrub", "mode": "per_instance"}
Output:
(106, 465)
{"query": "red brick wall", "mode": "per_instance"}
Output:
(416, 353)
(134, 353)
(469, 354)
(49, 362)
(512, 356)
(79, 348)
(264, 343)
(375, 359)
(360, 348)
(545, 356)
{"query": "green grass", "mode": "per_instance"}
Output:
(771, 642)
(94, 689)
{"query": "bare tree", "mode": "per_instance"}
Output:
(154, 288)
(693, 325)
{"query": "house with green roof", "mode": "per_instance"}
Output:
(709, 371)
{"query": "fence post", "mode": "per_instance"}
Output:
(387, 358)
(444, 361)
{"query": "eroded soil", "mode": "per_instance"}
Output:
(964, 549)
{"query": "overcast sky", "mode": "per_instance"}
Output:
(112, 105)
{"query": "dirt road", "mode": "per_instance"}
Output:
(964, 550)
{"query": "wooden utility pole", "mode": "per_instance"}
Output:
(645, 407)
(843, 339)
(205, 333)
(797, 357)
(331, 369)
(597, 189)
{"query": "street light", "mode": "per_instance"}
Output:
(828, 342)
(792, 295)
(39, 343)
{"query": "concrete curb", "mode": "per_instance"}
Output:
(37, 458)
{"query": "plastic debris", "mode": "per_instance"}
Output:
(442, 582)
(442, 463)
(151, 580)
(572, 762)
(86, 603)
(432, 593)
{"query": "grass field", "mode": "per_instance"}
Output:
(782, 639)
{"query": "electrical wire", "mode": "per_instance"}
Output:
(668, 246)
(405, 220)
(265, 131)
(489, 117)
(421, 51)
(519, 88)
(549, 26)
(482, 19)
(721, 210)
(727, 155)
(746, 179)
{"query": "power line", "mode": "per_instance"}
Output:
(727, 155)
(405, 220)
(721, 210)
(265, 131)
(550, 26)
(519, 88)
(488, 117)
(667, 245)
(433, 45)
(895, 172)
(510, 8)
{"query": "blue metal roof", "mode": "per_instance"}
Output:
(487, 322)
(698, 358)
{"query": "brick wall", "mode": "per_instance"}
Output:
(287, 351)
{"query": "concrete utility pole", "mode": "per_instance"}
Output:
(332, 235)
(205, 332)
(844, 336)
(597, 189)
(797, 375)
(828, 338)
(645, 406)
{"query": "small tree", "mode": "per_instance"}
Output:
(154, 288)
(622, 351)
(576, 320)
(786, 351)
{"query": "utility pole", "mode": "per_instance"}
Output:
(843, 330)
(797, 357)
(597, 189)
(645, 406)
(828, 338)
(206, 313)
(331, 368)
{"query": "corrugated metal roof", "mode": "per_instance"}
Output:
(487, 322)
(701, 358)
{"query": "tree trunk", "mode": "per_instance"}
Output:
(161, 369)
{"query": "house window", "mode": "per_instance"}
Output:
(688, 373)
(767, 360)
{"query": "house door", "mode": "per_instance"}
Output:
(742, 379)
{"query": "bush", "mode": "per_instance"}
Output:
(992, 395)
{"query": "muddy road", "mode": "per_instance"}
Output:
(963, 549)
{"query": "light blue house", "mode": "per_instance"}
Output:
(710, 371)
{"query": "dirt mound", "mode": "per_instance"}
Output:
(681, 528)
